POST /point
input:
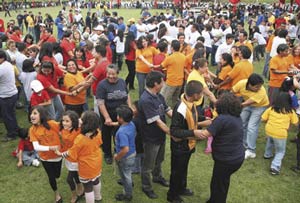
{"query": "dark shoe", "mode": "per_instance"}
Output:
(60, 200)
(187, 192)
(121, 183)
(274, 171)
(150, 194)
(175, 200)
(268, 157)
(295, 169)
(7, 139)
(79, 197)
(293, 140)
(161, 181)
(122, 197)
(108, 160)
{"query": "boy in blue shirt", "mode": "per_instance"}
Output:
(125, 148)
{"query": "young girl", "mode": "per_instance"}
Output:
(226, 66)
(86, 151)
(45, 139)
(278, 118)
(120, 45)
(76, 37)
(289, 86)
(69, 130)
(80, 57)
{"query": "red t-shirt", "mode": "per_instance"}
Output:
(25, 145)
(85, 65)
(66, 46)
(2, 27)
(15, 37)
(51, 79)
(37, 99)
(108, 53)
(131, 54)
(99, 73)
(88, 55)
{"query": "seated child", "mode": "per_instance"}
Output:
(125, 150)
(26, 154)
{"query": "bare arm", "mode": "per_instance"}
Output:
(163, 126)
(45, 103)
(210, 95)
(20, 160)
(122, 153)
(104, 112)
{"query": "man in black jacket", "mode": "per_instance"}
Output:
(184, 129)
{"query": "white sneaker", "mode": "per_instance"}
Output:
(36, 163)
(249, 154)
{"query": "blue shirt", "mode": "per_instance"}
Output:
(133, 29)
(122, 27)
(125, 137)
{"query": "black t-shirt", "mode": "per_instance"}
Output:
(227, 145)
(152, 107)
(113, 94)
(20, 18)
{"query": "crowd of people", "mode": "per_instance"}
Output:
(52, 78)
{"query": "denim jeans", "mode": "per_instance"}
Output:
(279, 145)
(28, 157)
(8, 113)
(251, 117)
(266, 66)
(125, 166)
(137, 167)
(153, 157)
(58, 107)
(141, 77)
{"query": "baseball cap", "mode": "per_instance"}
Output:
(99, 28)
(131, 20)
(36, 86)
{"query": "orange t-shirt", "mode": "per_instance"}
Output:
(189, 61)
(223, 74)
(174, 64)
(296, 60)
(46, 137)
(68, 138)
(240, 71)
(280, 64)
(186, 50)
(246, 43)
(87, 153)
(71, 80)
(269, 44)
(148, 54)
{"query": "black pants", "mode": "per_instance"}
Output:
(178, 177)
(72, 179)
(213, 54)
(53, 171)
(108, 132)
(89, 186)
(220, 181)
(298, 149)
(131, 73)
(77, 108)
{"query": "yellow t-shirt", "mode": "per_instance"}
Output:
(223, 75)
(240, 71)
(260, 98)
(174, 64)
(195, 75)
(278, 123)
(30, 21)
(271, 19)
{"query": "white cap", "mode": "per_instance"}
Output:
(99, 28)
(36, 86)
(42, 24)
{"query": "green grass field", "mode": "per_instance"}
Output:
(251, 184)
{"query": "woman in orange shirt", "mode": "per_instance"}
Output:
(74, 81)
(86, 151)
(69, 130)
(144, 61)
(296, 56)
(44, 135)
(226, 66)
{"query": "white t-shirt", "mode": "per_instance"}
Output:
(263, 30)
(225, 32)
(59, 58)
(193, 38)
(260, 39)
(141, 30)
(223, 48)
(292, 31)
(276, 41)
(26, 79)
(7, 80)
(120, 46)
(173, 31)
(207, 38)
(219, 34)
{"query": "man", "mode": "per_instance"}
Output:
(153, 108)
(193, 35)
(8, 97)
(141, 28)
(121, 24)
(174, 65)
(183, 129)
(132, 27)
(225, 47)
(46, 35)
(243, 36)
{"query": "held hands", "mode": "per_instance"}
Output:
(198, 134)
(19, 164)
(116, 157)
(108, 121)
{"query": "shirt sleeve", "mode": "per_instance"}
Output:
(265, 115)
(150, 111)
(294, 118)
(215, 127)
(123, 139)
(101, 91)
(234, 72)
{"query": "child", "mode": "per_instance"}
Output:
(159, 58)
(45, 139)
(138, 140)
(69, 130)
(278, 118)
(86, 151)
(125, 149)
(120, 46)
(289, 86)
(25, 152)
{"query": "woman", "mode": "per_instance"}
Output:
(185, 48)
(28, 40)
(74, 81)
(76, 36)
(255, 102)
(144, 61)
(111, 93)
(67, 46)
(228, 156)
(130, 47)
(226, 66)
(48, 75)
(45, 139)
(295, 56)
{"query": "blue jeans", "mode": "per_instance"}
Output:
(279, 145)
(141, 77)
(137, 168)
(8, 113)
(28, 157)
(251, 117)
(125, 166)
(266, 66)
(57, 108)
